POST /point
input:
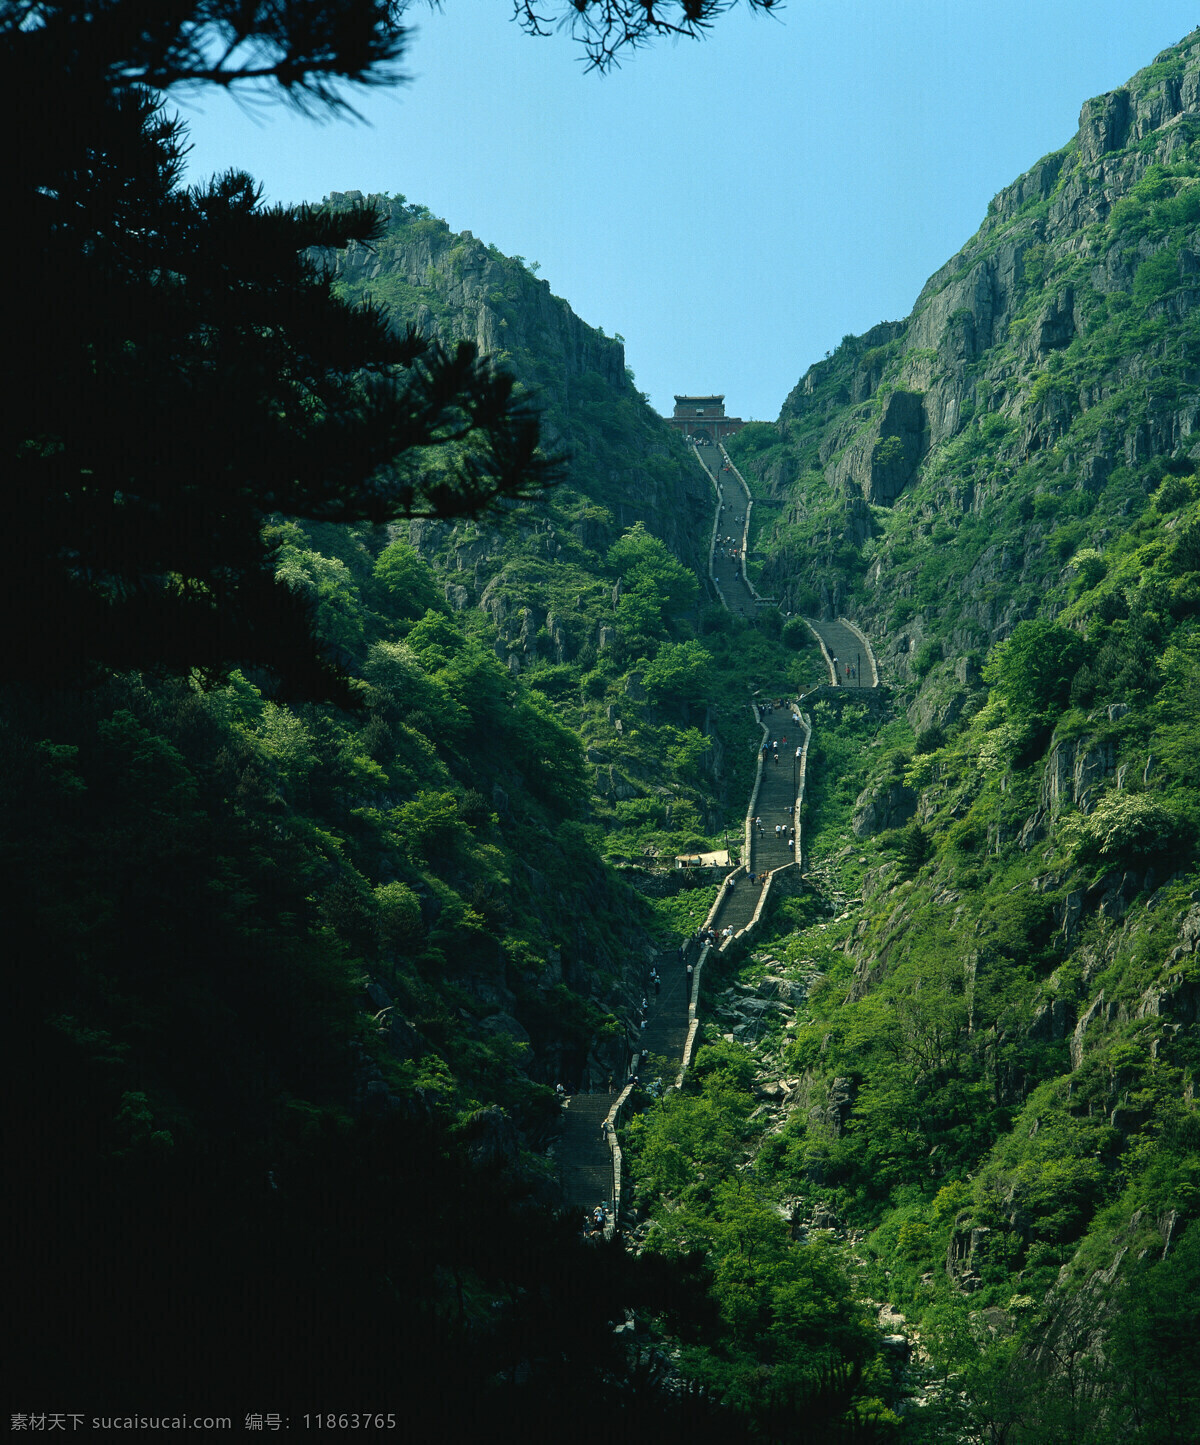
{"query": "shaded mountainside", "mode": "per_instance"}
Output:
(306, 975)
(554, 587)
(624, 460)
(1050, 365)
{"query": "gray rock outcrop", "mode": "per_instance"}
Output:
(889, 804)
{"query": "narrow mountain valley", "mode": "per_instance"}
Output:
(820, 903)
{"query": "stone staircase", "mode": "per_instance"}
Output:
(582, 1156)
(589, 1170)
(850, 648)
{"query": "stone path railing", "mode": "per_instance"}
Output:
(868, 650)
(782, 856)
(754, 592)
(736, 595)
(612, 1119)
(802, 721)
(689, 1047)
(712, 540)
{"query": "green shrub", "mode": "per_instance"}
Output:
(680, 672)
(795, 634)
(915, 846)
(716, 619)
(770, 622)
(1034, 668)
(1089, 568)
(1185, 551)
(1174, 492)
(1131, 830)
(1064, 540)
(407, 580)
(913, 1240)
(1156, 277)
(928, 656)
(554, 680)
(929, 740)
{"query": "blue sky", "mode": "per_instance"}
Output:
(733, 206)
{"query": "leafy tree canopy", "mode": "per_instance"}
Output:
(190, 375)
(681, 671)
(1033, 669)
(647, 567)
(406, 579)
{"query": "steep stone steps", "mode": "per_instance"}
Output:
(728, 576)
(585, 1162)
(666, 1025)
(737, 906)
(776, 802)
(844, 644)
(582, 1156)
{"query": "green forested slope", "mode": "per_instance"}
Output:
(295, 980)
(1042, 386)
(987, 1074)
(302, 977)
(667, 729)
(626, 465)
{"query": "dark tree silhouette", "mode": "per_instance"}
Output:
(185, 371)
(607, 28)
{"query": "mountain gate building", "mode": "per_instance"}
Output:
(703, 417)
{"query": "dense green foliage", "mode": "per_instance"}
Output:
(256, 922)
(287, 943)
(605, 622)
(272, 1084)
(298, 978)
(992, 1071)
(793, 1350)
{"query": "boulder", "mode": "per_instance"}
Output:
(1089, 1016)
(490, 1138)
(966, 673)
(782, 990)
(934, 706)
(838, 1105)
(378, 995)
(884, 805)
(1051, 1020)
(964, 1254)
(505, 1024)
(1074, 771)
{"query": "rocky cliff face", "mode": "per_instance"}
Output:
(1024, 446)
(966, 309)
(455, 288)
(1053, 355)
(626, 463)
(1052, 212)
